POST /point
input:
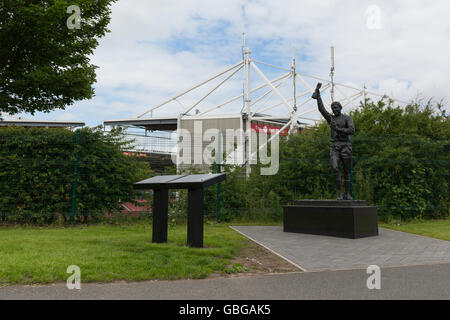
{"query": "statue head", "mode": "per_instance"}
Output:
(336, 107)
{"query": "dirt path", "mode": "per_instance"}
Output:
(254, 259)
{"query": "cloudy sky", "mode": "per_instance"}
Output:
(158, 48)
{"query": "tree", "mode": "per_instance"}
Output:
(44, 61)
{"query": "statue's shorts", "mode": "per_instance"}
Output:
(340, 150)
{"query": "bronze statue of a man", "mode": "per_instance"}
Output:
(342, 128)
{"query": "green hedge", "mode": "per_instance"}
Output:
(37, 168)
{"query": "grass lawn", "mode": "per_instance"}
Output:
(105, 253)
(31, 255)
(439, 229)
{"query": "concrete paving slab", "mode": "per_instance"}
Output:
(320, 253)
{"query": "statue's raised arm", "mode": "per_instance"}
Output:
(323, 111)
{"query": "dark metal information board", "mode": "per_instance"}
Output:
(195, 183)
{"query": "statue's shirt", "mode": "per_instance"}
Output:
(342, 121)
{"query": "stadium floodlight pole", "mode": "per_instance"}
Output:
(211, 91)
(248, 101)
(332, 74)
(294, 108)
(293, 79)
(241, 95)
(364, 94)
(275, 90)
(192, 88)
(178, 147)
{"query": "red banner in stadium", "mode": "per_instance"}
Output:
(269, 129)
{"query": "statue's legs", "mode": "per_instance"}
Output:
(347, 164)
(346, 156)
(334, 155)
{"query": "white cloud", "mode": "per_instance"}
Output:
(159, 48)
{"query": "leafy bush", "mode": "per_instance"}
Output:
(402, 158)
(37, 177)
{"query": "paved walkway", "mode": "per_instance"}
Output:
(319, 253)
(417, 282)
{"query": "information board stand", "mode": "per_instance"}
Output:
(195, 183)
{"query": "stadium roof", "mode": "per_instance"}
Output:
(40, 123)
(150, 124)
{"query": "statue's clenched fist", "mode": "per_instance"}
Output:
(316, 93)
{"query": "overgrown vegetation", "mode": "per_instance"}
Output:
(44, 171)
